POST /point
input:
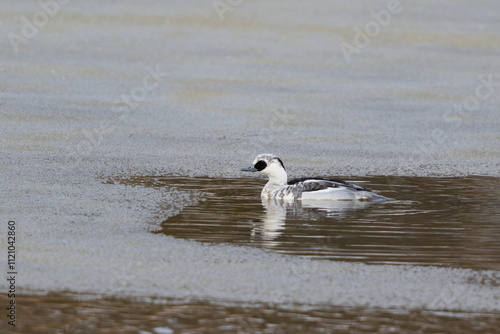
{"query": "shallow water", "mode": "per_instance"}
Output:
(59, 313)
(432, 221)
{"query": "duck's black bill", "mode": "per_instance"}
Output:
(249, 169)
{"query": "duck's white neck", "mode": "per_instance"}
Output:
(277, 176)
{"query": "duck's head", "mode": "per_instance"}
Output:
(270, 165)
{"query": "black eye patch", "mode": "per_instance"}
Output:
(260, 165)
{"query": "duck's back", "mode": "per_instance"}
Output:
(325, 189)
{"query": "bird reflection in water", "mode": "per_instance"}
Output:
(276, 212)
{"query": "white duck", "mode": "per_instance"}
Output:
(279, 187)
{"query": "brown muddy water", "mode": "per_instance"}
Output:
(452, 222)
(58, 314)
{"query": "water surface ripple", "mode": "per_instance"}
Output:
(433, 221)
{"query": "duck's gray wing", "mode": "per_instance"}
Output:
(306, 184)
